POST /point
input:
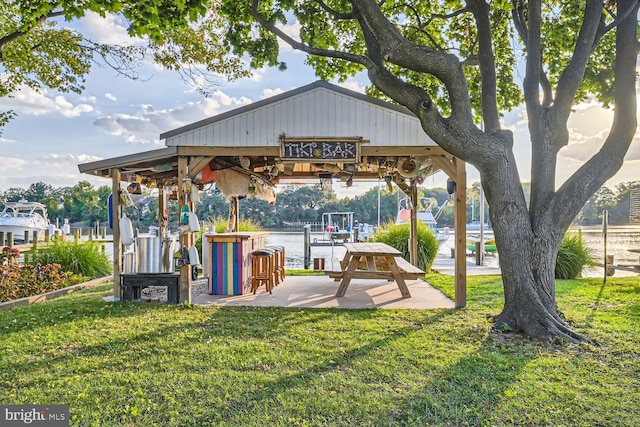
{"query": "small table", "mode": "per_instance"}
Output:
(380, 261)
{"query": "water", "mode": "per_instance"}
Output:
(294, 248)
(619, 240)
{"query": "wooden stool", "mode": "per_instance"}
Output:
(262, 269)
(279, 262)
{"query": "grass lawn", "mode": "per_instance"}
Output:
(143, 364)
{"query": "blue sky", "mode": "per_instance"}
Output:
(115, 116)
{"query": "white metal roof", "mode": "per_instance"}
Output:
(319, 109)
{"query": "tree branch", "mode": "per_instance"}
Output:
(11, 37)
(602, 166)
(301, 46)
(490, 115)
(336, 15)
(400, 51)
(573, 75)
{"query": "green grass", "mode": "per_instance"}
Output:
(142, 364)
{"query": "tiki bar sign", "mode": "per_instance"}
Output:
(314, 149)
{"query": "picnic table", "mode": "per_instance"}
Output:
(373, 260)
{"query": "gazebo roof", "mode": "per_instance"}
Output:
(251, 139)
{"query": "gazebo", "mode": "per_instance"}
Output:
(313, 133)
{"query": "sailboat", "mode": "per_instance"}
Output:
(424, 214)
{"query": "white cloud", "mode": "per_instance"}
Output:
(58, 170)
(293, 31)
(146, 124)
(353, 84)
(13, 163)
(6, 140)
(111, 29)
(27, 101)
(258, 74)
(268, 93)
(110, 97)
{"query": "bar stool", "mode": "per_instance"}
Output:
(262, 269)
(279, 262)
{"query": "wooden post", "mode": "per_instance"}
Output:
(460, 220)
(2, 238)
(162, 205)
(10, 239)
(186, 238)
(413, 234)
(117, 243)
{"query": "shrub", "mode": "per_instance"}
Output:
(573, 256)
(19, 282)
(397, 236)
(83, 258)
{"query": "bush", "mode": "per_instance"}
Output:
(82, 258)
(573, 256)
(19, 282)
(397, 236)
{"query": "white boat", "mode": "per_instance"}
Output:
(338, 226)
(476, 225)
(425, 214)
(365, 231)
(21, 216)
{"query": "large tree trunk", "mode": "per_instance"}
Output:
(527, 258)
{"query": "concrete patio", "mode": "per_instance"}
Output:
(319, 292)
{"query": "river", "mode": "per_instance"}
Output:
(619, 240)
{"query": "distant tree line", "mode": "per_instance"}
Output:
(83, 205)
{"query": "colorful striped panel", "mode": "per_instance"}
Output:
(226, 269)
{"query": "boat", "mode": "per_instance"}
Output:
(364, 231)
(337, 229)
(475, 225)
(424, 214)
(489, 245)
(22, 216)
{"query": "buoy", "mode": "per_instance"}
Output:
(184, 216)
(110, 210)
(126, 230)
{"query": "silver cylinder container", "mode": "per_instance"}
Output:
(149, 250)
(169, 247)
(129, 264)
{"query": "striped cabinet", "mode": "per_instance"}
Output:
(230, 261)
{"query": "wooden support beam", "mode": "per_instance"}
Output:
(197, 163)
(418, 150)
(186, 238)
(446, 165)
(460, 221)
(273, 151)
(117, 244)
(413, 235)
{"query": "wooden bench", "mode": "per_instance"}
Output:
(334, 269)
(409, 270)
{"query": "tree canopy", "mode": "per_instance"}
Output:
(458, 65)
(40, 49)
